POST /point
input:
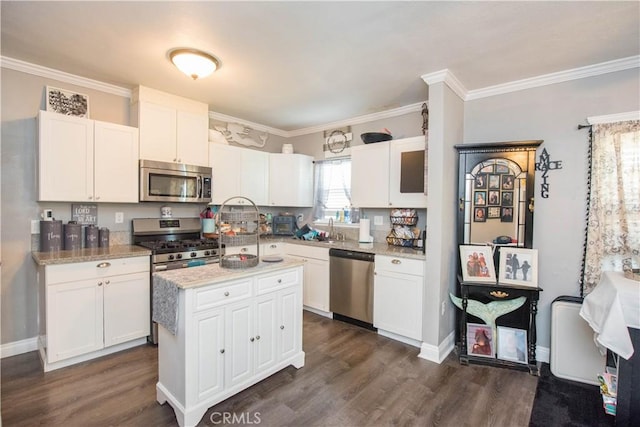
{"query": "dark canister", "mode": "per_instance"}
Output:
(72, 236)
(104, 237)
(91, 236)
(50, 236)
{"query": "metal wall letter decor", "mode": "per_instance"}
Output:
(545, 165)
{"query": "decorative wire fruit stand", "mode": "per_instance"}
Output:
(239, 228)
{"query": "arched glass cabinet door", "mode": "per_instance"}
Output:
(496, 193)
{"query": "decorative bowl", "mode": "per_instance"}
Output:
(371, 137)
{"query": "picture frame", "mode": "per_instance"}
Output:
(480, 340)
(487, 169)
(506, 181)
(480, 181)
(512, 344)
(494, 182)
(69, 103)
(493, 212)
(480, 198)
(479, 214)
(518, 266)
(477, 263)
(494, 198)
(506, 214)
(507, 198)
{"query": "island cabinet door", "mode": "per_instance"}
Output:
(239, 342)
(290, 322)
(265, 343)
(210, 353)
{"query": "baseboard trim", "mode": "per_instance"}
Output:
(319, 312)
(542, 354)
(438, 353)
(18, 347)
(400, 338)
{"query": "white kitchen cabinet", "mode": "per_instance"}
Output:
(376, 172)
(239, 338)
(92, 308)
(315, 293)
(82, 160)
(397, 297)
(290, 180)
(172, 128)
(209, 353)
(239, 172)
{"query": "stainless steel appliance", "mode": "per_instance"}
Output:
(284, 225)
(174, 243)
(174, 182)
(351, 286)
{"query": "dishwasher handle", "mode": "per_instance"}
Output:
(343, 253)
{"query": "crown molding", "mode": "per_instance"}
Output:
(447, 77)
(255, 126)
(50, 73)
(612, 118)
(559, 77)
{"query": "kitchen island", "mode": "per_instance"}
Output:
(223, 330)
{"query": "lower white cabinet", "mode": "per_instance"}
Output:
(230, 336)
(89, 307)
(397, 297)
(316, 276)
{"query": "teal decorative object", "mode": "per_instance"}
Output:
(489, 312)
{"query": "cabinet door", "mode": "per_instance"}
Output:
(370, 175)
(116, 163)
(226, 162)
(316, 283)
(239, 343)
(254, 176)
(210, 353)
(157, 125)
(126, 308)
(397, 303)
(74, 318)
(65, 158)
(290, 180)
(265, 331)
(406, 170)
(192, 138)
(290, 322)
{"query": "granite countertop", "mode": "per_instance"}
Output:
(185, 278)
(82, 255)
(375, 248)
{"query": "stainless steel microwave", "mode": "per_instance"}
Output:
(174, 182)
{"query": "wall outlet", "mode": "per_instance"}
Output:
(119, 217)
(300, 217)
(35, 226)
(377, 220)
(444, 307)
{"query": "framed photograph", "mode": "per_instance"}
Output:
(66, 102)
(494, 182)
(493, 212)
(518, 266)
(477, 263)
(502, 168)
(487, 169)
(507, 182)
(481, 181)
(479, 214)
(480, 340)
(506, 214)
(494, 198)
(512, 344)
(507, 198)
(480, 198)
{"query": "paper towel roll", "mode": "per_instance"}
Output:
(365, 231)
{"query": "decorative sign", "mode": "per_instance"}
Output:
(84, 214)
(67, 102)
(545, 165)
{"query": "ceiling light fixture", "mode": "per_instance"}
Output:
(193, 62)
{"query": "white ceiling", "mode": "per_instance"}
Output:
(293, 65)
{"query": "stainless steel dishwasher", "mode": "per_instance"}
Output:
(351, 286)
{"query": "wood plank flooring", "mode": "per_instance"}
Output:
(352, 377)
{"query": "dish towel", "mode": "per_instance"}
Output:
(165, 304)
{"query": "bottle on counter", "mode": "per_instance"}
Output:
(346, 214)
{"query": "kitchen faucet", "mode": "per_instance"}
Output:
(330, 228)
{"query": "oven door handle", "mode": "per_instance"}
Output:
(199, 187)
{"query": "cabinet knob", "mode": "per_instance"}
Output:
(104, 265)
(396, 261)
(244, 250)
(257, 337)
(106, 282)
(279, 280)
(281, 326)
(273, 246)
(251, 339)
(97, 197)
(90, 198)
(175, 160)
(99, 283)
(226, 294)
(222, 351)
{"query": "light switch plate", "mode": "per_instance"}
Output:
(377, 220)
(35, 226)
(119, 217)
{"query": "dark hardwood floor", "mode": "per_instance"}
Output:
(352, 377)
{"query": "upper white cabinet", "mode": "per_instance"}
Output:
(290, 180)
(239, 172)
(82, 160)
(389, 174)
(172, 128)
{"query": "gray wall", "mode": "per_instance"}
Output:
(552, 113)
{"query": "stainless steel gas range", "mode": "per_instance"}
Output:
(174, 243)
